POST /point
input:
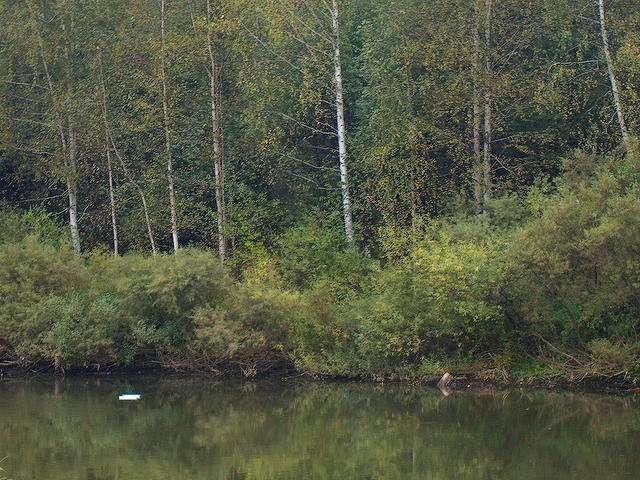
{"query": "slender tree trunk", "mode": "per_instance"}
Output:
(72, 189)
(167, 132)
(110, 142)
(72, 166)
(342, 141)
(73, 204)
(69, 150)
(143, 197)
(112, 198)
(478, 182)
(488, 125)
(147, 219)
(414, 205)
(612, 77)
(107, 147)
(216, 123)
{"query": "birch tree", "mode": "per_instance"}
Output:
(72, 166)
(112, 197)
(216, 126)
(478, 182)
(617, 103)
(107, 149)
(110, 146)
(482, 114)
(143, 197)
(398, 94)
(342, 134)
(303, 38)
(488, 125)
(64, 125)
(167, 128)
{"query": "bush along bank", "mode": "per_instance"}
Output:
(542, 287)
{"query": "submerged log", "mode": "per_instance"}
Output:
(445, 381)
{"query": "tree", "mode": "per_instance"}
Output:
(478, 182)
(342, 134)
(612, 76)
(64, 115)
(216, 126)
(488, 121)
(167, 129)
(107, 149)
(258, 115)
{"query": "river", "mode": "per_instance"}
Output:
(192, 429)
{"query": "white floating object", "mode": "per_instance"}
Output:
(130, 397)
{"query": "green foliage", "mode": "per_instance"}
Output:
(317, 250)
(102, 309)
(540, 285)
(409, 86)
(613, 355)
(252, 324)
(574, 268)
(17, 225)
(558, 266)
(166, 290)
(442, 300)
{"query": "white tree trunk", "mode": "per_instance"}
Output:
(72, 144)
(478, 183)
(147, 219)
(612, 77)
(72, 190)
(112, 198)
(167, 131)
(216, 123)
(342, 141)
(68, 152)
(487, 106)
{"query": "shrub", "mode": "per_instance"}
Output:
(61, 308)
(251, 325)
(613, 356)
(574, 269)
(32, 272)
(444, 299)
(561, 266)
(459, 286)
(80, 329)
(163, 291)
(322, 332)
(16, 226)
(318, 250)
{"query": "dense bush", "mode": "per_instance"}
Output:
(317, 250)
(16, 225)
(444, 299)
(575, 271)
(251, 327)
(72, 311)
(545, 281)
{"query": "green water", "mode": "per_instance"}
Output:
(198, 429)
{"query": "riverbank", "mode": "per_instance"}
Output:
(543, 289)
(553, 378)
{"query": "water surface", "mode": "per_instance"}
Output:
(198, 429)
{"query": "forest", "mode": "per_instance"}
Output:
(381, 189)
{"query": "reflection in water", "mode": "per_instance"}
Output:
(192, 430)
